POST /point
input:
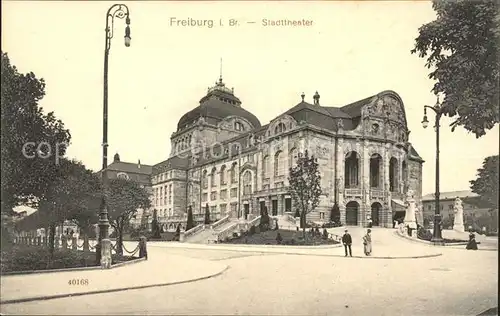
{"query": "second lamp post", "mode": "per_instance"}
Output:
(436, 236)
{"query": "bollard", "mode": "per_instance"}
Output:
(74, 246)
(39, 240)
(143, 250)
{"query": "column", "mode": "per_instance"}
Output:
(386, 210)
(365, 202)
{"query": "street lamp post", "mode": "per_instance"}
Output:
(119, 11)
(437, 237)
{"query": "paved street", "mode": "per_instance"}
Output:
(459, 282)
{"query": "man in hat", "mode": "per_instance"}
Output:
(347, 241)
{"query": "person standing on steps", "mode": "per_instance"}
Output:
(347, 241)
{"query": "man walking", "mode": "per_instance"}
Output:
(347, 241)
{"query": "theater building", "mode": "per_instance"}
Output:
(224, 158)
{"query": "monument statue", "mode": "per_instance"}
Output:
(411, 208)
(458, 222)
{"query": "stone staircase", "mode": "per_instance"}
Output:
(208, 233)
(286, 221)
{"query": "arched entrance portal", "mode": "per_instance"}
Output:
(376, 210)
(351, 213)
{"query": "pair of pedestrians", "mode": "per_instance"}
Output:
(367, 243)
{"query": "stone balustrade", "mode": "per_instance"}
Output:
(191, 232)
(227, 232)
(220, 222)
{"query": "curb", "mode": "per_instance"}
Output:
(248, 246)
(429, 243)
(71, 269)
(448, 245)
(312, 254)
(367, 257)
(50, 297)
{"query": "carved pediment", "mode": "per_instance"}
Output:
(386, 107)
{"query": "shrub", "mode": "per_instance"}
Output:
(252, 230)
(424, 234)
(235, 235)
(325, 234)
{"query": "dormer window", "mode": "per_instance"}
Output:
(280, 128)
(239, 126)
(122, 175)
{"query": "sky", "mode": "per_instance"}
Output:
(351, 51)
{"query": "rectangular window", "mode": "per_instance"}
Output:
(223, 209)
(170, 194)
(450, 207)
(321, 215)
(165, 196)
(234, 207)
(213, 196)
(204, 197)
(429, 207)
(234, 192)
(223, 194)
(213, 209)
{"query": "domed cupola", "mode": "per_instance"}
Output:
(219, 103)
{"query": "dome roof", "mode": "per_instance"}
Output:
(219, 103)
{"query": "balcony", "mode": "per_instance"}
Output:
(377, 193)
(353, 192)
(281, 190)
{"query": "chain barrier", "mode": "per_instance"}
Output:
(78, 246)
(131, 252)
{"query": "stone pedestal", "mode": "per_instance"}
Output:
(106, 253)
(459, 228)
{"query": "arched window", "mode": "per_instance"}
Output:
(280, 128)
(375, 164)
(293, 157)
(265, 166)
(247, 183)
(234, 178)
(351, 170)
(393, 175)
(404, 172)
(278, 164)
(223, 175)
(204, 179)
(212, 177)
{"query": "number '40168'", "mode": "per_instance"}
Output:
(78, 282)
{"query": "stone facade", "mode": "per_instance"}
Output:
(223, 158)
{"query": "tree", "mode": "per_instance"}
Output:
(462, 45)
(305, 186)
(264, 219)
(486, 184)
(124, 197)
(24, 128)
(73, 195)
(335, 213)
(190, 222)
(207, 215)
(155, 225)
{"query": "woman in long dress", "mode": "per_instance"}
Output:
(472, 244)
(367, 242)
